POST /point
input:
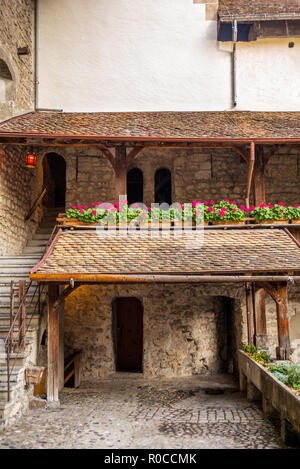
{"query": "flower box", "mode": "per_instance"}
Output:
(229, 222)
(272, 222)
(295, 222)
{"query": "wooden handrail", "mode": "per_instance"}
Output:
(36, 203)
(75, 358)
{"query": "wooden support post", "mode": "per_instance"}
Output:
(278, 291)
(22, 316)
(53, 348)
(260, 338)
(283, 350)
(120, 167)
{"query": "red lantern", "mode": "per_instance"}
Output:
(30, 160)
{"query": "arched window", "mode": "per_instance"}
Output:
(163, 186)
(4, 71)
(135, 186)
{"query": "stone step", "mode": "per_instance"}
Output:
(34, 250)
(12, 269)
(5, 289)
(19, 260)
(37, 242)
(33, 318)
(6, 277)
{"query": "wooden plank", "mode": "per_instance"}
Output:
(22, 314)
(77, 370)
(53, 345)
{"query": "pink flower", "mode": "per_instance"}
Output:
(109, 205)
(81, 211)
(93, 204)
(282, 210)
(85, 207)
(233, 202)
(136, 205)
(242, 207)
(182, 207)
(212, 202)
(247, 210)
(149, 209)
(143, 214)
(263, 205)
(210, 209)
(281, 203)
(124, 201)
(296, 206)
(271, 206)
(194, 203)
(226, 200)
(197, 212)
(78, 206)
(252, 207)
(113, 210)
(222, 214)
(205, 202)
(74, 207)
(116, 204)
(234, 209)
(94, 212)
(101, 204)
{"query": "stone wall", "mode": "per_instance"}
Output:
(19, 186)
(184, 330)
(17, 30)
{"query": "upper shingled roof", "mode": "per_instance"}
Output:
(259, 9)
(183, 126)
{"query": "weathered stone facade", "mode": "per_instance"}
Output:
(17, 30)
(19, 187)
(184, 330)
(180, 324)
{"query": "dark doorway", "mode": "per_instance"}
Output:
(128, 334)
(163, 186)
(226, 335)
(135, 186)
(54, 168)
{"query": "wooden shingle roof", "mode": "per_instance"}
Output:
(258, 9)
(92, 255)
(148, 126)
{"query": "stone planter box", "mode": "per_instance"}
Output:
(259, 383)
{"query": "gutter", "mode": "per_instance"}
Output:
(36, 77)
(234, 65)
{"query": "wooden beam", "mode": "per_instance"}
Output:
(53, 347)
(121, 166)
(250, 173)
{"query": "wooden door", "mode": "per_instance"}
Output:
(128, 334)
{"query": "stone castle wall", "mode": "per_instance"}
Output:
(19, 187)
(17, 30)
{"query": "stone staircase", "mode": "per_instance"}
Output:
(17, 268)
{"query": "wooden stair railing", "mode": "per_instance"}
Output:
(72, 368)
(37, 202)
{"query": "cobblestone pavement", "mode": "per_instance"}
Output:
(128, 411)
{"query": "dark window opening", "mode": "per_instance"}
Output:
(128, 334)
(163, 186)
(225, 32)
(135, 186)
(54, 167)
(4, 71)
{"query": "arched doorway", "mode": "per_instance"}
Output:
(163, 186)
(135, 187)
(54, 173)
(128, 334)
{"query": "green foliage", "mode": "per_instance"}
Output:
(288, 373)
(262, 357)
(271, 212)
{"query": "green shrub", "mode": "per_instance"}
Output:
(288, 373)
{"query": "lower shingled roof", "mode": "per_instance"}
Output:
(91, 253)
